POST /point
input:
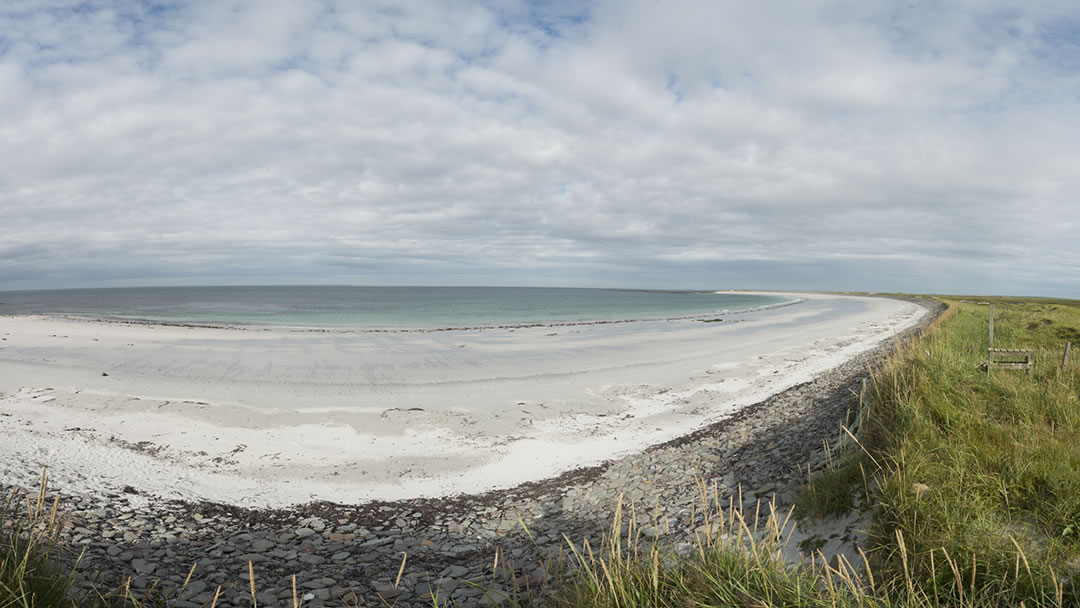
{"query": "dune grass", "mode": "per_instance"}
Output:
(732, 560)
(974, 474)
(38, 571)
(30, 572)
(979, 470)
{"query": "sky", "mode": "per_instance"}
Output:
(872, 146)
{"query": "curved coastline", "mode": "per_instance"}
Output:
(281, 417)
(379, 330)
(275, 418)
(761, 452)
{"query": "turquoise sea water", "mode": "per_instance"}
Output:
(376, 307)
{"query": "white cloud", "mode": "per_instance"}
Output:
(699, 144)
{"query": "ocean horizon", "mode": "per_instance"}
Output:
(384, 307)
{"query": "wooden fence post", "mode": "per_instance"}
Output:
(991, 326)
(1065, 358)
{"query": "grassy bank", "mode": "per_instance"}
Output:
(974, 474)
(979, 470)
(31, 574)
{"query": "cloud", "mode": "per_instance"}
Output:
(829, 145)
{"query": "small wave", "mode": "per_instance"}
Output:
(237, 326)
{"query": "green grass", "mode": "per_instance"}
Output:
(37, 571)
(832, 491)
(731, 562)
(975, 477)
(31, 574)
(980, 471)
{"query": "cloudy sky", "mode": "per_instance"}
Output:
(920, 146)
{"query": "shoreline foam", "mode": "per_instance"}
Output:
(380, 308)
(392, 329)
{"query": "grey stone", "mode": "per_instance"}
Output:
(729, 481)
(194, 588)
(464, 593)
(142, 566)
(494, 598)
(254, 558)
(386, 591)
(367, 557)
(455, 571)
(261, 545)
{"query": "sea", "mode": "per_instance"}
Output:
(370, 307)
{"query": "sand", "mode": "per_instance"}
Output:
(278, 416)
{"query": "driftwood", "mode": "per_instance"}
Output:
(1010, 358)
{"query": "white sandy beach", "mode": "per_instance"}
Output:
(276, 417)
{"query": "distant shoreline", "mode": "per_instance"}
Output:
(378, 330)
(382, 310)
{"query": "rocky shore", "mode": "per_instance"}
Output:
(353, 554)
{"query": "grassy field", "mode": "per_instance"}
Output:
(974, 475)
(979, 470)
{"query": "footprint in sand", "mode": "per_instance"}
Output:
(411, 414)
